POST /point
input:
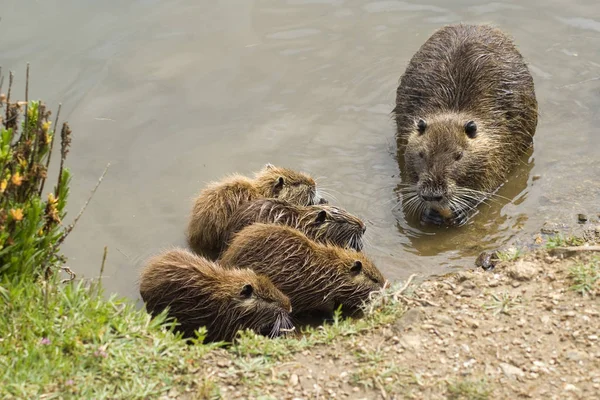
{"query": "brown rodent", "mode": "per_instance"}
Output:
(199, 293)
(218, 201)
(315, 276)
(322, 223)
(466, 112)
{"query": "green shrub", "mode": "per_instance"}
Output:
(30, 220)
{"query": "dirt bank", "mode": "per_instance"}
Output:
(527, 329)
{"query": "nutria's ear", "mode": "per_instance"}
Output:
(471, 129)
(278, 184)
(421, 126)
(356, 267)
(246, 291)
(269, 166)
(321, 216)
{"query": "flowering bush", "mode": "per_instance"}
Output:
(30, 219)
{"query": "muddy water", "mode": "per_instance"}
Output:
(178, 93)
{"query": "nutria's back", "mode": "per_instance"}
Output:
(215, 204)
(465, 112)
(199, 293)
(323, 223)
(313, 275)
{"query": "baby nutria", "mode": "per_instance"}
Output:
(217, 202)
(315, 276)
(466, 112)
(200, 293)
(322, 223)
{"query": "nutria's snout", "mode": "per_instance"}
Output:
(322, 200)
(433, 192)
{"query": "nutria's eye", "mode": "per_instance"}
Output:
(246, 291)
(421, 125)
(321, 217)
(458, 155)
(356, 267)
(422, 154)
(471, 129)
(279, 183)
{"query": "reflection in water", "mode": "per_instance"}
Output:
(486, 229)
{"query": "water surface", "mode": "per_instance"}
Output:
(175, 94)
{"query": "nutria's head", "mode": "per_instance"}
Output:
(450, 160)
(251, 302)
(333, 225)
(359, 277)
(286, 184)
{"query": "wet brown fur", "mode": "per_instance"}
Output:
(216, 203)
(199, 293)
(322, 223)
(464, 73)
(315, 276)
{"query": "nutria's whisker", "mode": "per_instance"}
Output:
(328, 195)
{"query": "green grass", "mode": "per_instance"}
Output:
(469, 389)
(383, 309)
(502, 304)
(561, 240)
(585, 276)
(511, 254)
(71, 342)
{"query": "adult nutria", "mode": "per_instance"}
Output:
(465, 112)
(322, 223)
(199, 293)
(218, 201)
(315, 276)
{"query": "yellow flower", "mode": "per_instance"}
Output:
(17, 179)
(3, 185)
(23, 162)
(51, 199)
(16, 214)
(48, 138)
(46, 126)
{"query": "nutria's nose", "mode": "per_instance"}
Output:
(432, 198)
